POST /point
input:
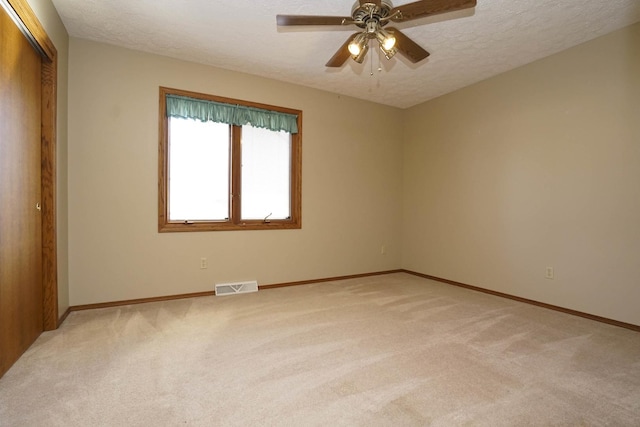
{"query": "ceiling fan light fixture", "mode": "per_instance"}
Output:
(359, 58)
(388, 53)
(386, 40)
(358, 44)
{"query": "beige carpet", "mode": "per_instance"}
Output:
(389, 350)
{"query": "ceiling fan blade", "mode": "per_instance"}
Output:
(287, 20)
(420, 9)
(410, 49)
(342, 54)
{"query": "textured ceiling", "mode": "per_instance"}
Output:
(241, 35)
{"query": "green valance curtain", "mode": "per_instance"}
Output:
(211, 111)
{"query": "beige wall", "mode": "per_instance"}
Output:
(352, 184)
(52, 24)
(536, 167)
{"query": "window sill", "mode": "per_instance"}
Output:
(227, 226)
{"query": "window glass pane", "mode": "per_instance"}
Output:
(266, 173)
(198, 170)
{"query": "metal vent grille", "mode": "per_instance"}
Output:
(236, 288)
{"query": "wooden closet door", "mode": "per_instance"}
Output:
(21, 305)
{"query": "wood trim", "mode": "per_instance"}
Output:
(228, 226)
(529, 301)
(48, 160)
(212, 293)
(64, 316)
(35, 28)
(296, 174)
(139, 301)
(49, 168)
(328, 279)
(163, 167)
(235, 165)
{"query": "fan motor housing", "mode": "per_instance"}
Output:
(369, 11)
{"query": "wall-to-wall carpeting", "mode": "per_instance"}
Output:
(383, 350)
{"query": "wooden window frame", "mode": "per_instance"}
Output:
(234, 223)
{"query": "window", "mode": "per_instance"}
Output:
(226, 164)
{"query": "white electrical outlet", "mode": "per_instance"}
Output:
(549, 273)
(203, 263)
(383, 250)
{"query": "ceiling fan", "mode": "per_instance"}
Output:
(371, 16)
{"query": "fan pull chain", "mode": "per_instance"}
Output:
(371, 62)
(379, 69)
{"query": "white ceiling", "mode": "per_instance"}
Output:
(242, 35)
